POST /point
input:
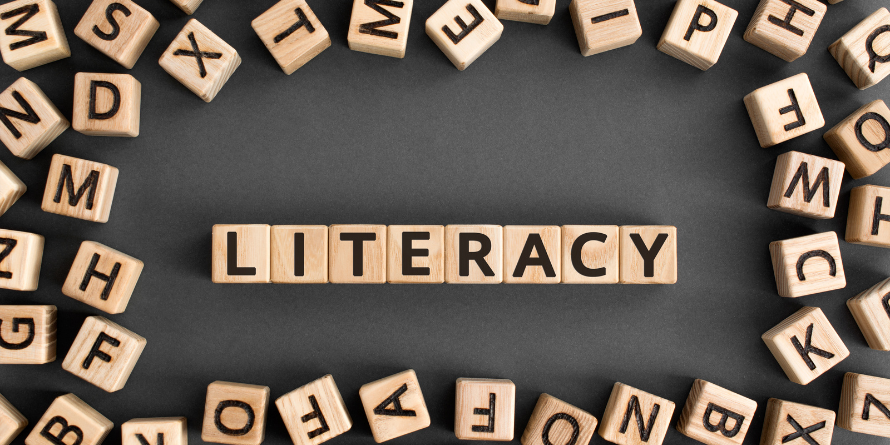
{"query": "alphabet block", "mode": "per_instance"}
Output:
(785, 28)
(357, 253)
(871, 309)
(380, 27)
(530, 11)
(861, 140)
(415, 254)
(69, 418)
(864, 51)
(120, 29)
(12, 422)
(92, 198)
(532, 254)
(235, 413)
(806, 185)
(807, 265)
(604, 25)
(157, 431)
(394, 406)
(299, 254)
(33, 34)
(477, 30)
(241, 253)
(30, 120)
(187, 6)
(314, 413)
(484, 409)
(866, 215)
(11, 188)
(697, 32)
(293, 34)
(106, 104)
(27, 335)
(200, 60)
(634, 417)
(474, 254)
(796, 424)
(805, 345)
(554, 421)
(648, 254)
(716, 416)
(104, 353)
(784, 110)
(863, 408)
(102, 277)
(590, 254)
(21, 254)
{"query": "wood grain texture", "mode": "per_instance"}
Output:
(39, 326)
(315, 254)
(11, 188)
(124, 123)
(253, 399)
(632, 268)
(702, 49)
(74, 412)
(852, 53)
(619, 405)
(479, 39)
(516, 238)
(109, 375)
(172, 429)
(253, 253)
(389, 426)
(115, 300)
(872, 316)
(298, 47)
(703, 421)
(781, 342)
(862, 227)
(594, 254)
(46, 20)
(134, 30)
(297, 403)
(12, 422)
(851, 413)
(517, 11)
(341, 254)
(187, 6)
(475, 275)
(389, 40)
(552, 423)
(185, 68)
(23, 261)
(858, 156)
(472, 394)
(778, 429)
(29, 139)
(433, 259)
(764, 107)
(605, 34)
(104, 182)
(787, 41)
(817, 271)
(813, 205)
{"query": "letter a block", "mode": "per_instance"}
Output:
(314, 413)
(292, 33)
(106, 104)
(785, 28)
(27, 335)
(104, 353)
(120, 29)
(806, 185)
(415, 254)
(200, 60)
(70, 420)
(867, 216)
(532, 254)
(299, 254)
(784, 110)
(102, 277)
(463, 30)
(11, 188)
(556, 422)
(864, 51)
(394, 406)
(241, 253)
(235, 413)
(716, 416)
(805, 345)
(380, 27)
(30, 120)
(634, 417)
(12, 422)
(156, 431)
(32, 35)
(861, 141)
(357, 253)
(530, 11)
(20, 256)
(871, 309)
(648, 254)
(865, 405)
(796, 424)
(79, 188)
(474, 254)
(807, 265)
(604, 25)
(590, 254)
(484, 409)
(697, 32)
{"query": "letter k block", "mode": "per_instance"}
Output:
(104, 354)
(716, 416)
(79, 188)
(805, 345)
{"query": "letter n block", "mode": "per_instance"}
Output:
(715, 415)
(235, 413)
(415, 254)
(634, 417)
(292, 33)
(30, 120)
(32, 35)
(463, 30)
(484, 409)
(474, 254)
(357, 253)
(11, 188)
(120, 29)
(784, 110)
(20, 256)
(807, 265)
(556, 422)
(648, 254)
(697, 32)
(590, 254)
(102, 277)
(314, 413)
(532, 254)
(530, 11)
(70, 420)
(864, 51)
(785, 28)
(865, 405)
(156, 431)
(299, 254)
(380, 27)
(796, 424)
(806, 185)
(861, 141)
(394, 406)
(79, 188)
(805, 345)
(27, 335)
(241, 253)
(200, 60)
(104, 353)
(106, 104)
(871, 309)
(604, 25)
(866, 216)
(12, 422)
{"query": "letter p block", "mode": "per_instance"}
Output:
(697, 32)
(716, 416)
(235, 413)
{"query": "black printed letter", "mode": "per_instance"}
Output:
(875, 225)
(408, 253)
(534, 242)
(10, 244)
(316, 414)
(391, 19)
(808, 348)
(59, 438)
(649, 254)
(299, 254)
(13, 30)
(115, 104)
(786, 23)
(16, 322)
(28, 116)
(721, 425)
(358, 249)
(393, 400)
(465, 256)
(795, 107)
(633, 406)
(67, 181)
(832, 267)
(486, 412)
(143, 441)
(232, 257)
(96, 353)
(578, 261)
(576, 429)
(301, 22)
(115, 27)
(810, 191)
(217, 417)
(873, 57)
(696, 25)
(885, 127)
(108, 279)
(464, 29)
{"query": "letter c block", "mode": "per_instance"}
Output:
(807, 265)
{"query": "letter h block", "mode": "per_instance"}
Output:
(867, 215)
(104, 353)
(697, 32)
(79, 188)
(715, 415)
(871, 310)
(158, 430)
(357, 253)
(864, 51)
(200, 60)
(807, 265)
(861, 141)
(394, 406)
(12, 422)
(293, 34)
(648, 254)
(784, 110)
(556, 422)
(32, 34)
(806, 185)
(785, 28)
(865, 405)
(106, 104)
(484, 409)
(120, 29)
(241, 253)
(102, 277)
(235, 413)
(634, 417)
(314, 413)
(30, 120)
(70, 420)
(463, 30)
(789, 423)
(805, 345)
(380, 27)
(20, 256)
(604, 25)
(27, 335)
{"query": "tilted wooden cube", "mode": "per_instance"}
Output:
(106, 104)
(11, 188)
(187, 6)
(554, 421)
(463, 30)
(70, 420)
(863, 51)
(648, 254)
(807, 265)
(861, 141)
(697, 32)
(155, 431)
(33, 34)
(484, 409)
(785, 28)
(380, 27)
(394, 406)
(104, 353)
(12, 422)
(241, 253)
(299, 254)
(635, 417)
(292, 33)
(235, 413)
(530, 11)
(865, 405)
(415, 254)
(716, 416)
(868, 216)
(21, 254)
(314, 413)
(602, 26)
(796, 424)
(784, 110)
(532, 254)
(102, 277)
(120, 29)
(30, 120)
(806, 185)
(474, 254)
(805, 345)
(27, 335)
(871, 310)
(357, 253)
(590, 254)
(200, 60)
(79, 188)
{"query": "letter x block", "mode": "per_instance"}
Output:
(314, 413)
(807, 265)
(27, 335)
(200, 60)
(554, 421)
(106, 104)
(861, 141)
(157, 431)
(805, 345)
(357, 253)
(70, 420)
(648, 254)
(79, 188)
(463, 30)
(530, 11)
(299, 254)
(415, 254)
(865, 405)
(380, 27)
(292, 33)
(474, 254)
(102, 277)
(716, 416)
(532, 254)
(871, 309)
(32, 35)
(120, 29)
(697, 32)
(11, 188)
(484, 409)
(789, 423)
(806, 185)
(241, 253)
(104, 353)
(394, 406)
(21, 254)
(30, 120)
(604, 25)
(868, 215)
(235, 413)
(785, 28)
(784, 110)
(864, 51)
(12, 422)
(634, 417)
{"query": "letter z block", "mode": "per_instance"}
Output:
(871, 309)
(235, 413)
(200, 60)
(796, 424)
(314, 413)
(120, 29)
(241, 253)
(463, 30)
(484, 409)
(474, 254)
(27, 335)
(292, 33)
(394, 406)
(11, 188)
(357, 253)
(158, 430)
(104, 353)
(299, 254)
(590, 254)
(33, 34)
(697, 32)
(805, 345)
(865, 217)
(864, 51)
(12, 422)
(21, 254)
(715, 415)
(865, 405)
(785, 28)
(380, 27)
(861, 141)
(532, 254)
(70, 420)
(102, 277)
(784, 110)
(106, 104)
(554, 421)
(806, 185)
(807, 265)
(30, 120)
(415, 254)
(79, 188)
(530, 11)
(604, 25)
(648, 254)
(634, 417)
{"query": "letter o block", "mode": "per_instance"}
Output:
(635, 417)
(604, 25)
(292, 33)
(12, 422)
(484, 409)
(864, 51)
(314, 413)
(871, 310)
(104, 353)
(868, 215)
(865, 405)
(33, 34)
(27, 335)
(648, 254)
(69, 419)
(806, 185)
(805, 345)
(784, 110)
(167, 431)
(474, 254)
(241, 253)
(716, 416)
(785, 28)
(697, 32)
(120, 29)
(796, 424)
(40, 122)
(556, 422)
(862, 140)
(200, 60)
(106, 104)
(102, 277)
(235, 413)
(394, 406)
(79, 188)
(21, 254)
(807, 265)
(463, 30)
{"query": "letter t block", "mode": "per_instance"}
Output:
(292, 33)
(104, 353)
(484, 409)
(314, 413)
(70, 420)
(716, 416)
(235, 413)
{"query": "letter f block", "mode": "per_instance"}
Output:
(484, 409)
(716, 416)
(314, 413)
(104, 353)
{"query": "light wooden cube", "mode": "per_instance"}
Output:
(484, 409)
(796, 424)
(648, 254)
(697, 32)
(200, 60)
(102, 277)
(866, 214)
(380, 27)
(784, 110)
(235, 413)
(865, 405)
(314, 413)
(187, 6)
(106, 104)
(292, 33)
(807, 265)
(12, 422)
(79, 188)
(104, 353)
(530, 11)
(21, 255)
(33, 34)
(638, 408)
(806, 185)
(241, 253)
(415, 254)
(11, 188)
(862, 52)
(716, 416)
(477, 30)
(394, 406)
(590, 254)
(120, 29)
(532, 254)
(70, 419)
(785, 28)
(474, 254)
(299, 254)
(25, 137)
(157, 431)
(861, 140)
(554, 421)
(805, 345)
(27, 335)
(357, 253)
(604, 25)
(871, 310)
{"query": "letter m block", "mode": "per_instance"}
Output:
(79, 188)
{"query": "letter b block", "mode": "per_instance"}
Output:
(648, 254)
(120, 29)
(79, 188)
(200, 60)
(785, 28)
(716, 416)
(604, 25)
(807, 265)
(806, 185)
(697, 32)
(864, 51)
(357, 253)
(156, 431)
(20, 256)
(865, 405)
(70, 420)
(314, 413)
(784, 110)
(12, 422)
(556, 422)
(106, 104)
(463, 30)
(871, 309)
(868, 215)
(27, 335)
(394, 406)
(102, 277)
(104, 353)
(241, 253)
(32, 35)
(634, 417)
(235, 413)
(805, 345)
(484, 409)
(861, 141)
(796, 424)
(30, 120)
(292, 33)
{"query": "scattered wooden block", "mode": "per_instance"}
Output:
(866, 214)
(554, 421)
(604, 25)
(484, 409)
(415, 254)
(862, 52)
(477, 29)
(187, 6)
(394, 406)
(474, 254)
(30, 120)
(27, 336)
(235, 413)
(785, 28)
(120, 29)
(11, 188)
(871, 309)
(590, 254)
(784, 110)
(796, 424)
(155, 431)
(241, 253)
(70, 419)
(102, 277)
(807, 265)
(357, 253)
(530, 11)
(648, 254)
(634, 417)
(104, 353)
(299, 254)
(200, 60)
(532, 254)
(716, 416)
(79, 188)
(805, 345)
(21, 254)
(861, 140)
(12, 422)
(697, 32)
(864, 405)
(806, 185)
(380, 27)
(33, 34)
(106, 104)
(292, 33)
(314, 413)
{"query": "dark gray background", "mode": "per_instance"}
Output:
(532, 133)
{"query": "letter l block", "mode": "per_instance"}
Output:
(235, 413)
(241, 253)
(716, 416)
(68, 419)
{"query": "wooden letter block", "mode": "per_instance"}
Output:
(866, 215)
(21, 254)
(590, 254)
(293, 34)
(12, 422)
(314, 413)
(381, 30)
(863, 51)
(784, 110)
(70, 420)
(241, 253)
(556, 422)
(104, 353)
(796, 424)
(79, 188)
(604, 25)
(785, 28)
(532, 254)
(120, 29)
(106, 104)
(200, 60)
(11, 188)
(394, 406)
(864, 405)
(806, 185)
(697, 32)
(463, 30)
(871, 309)
(648, 254)
(484, 409)
(155, 431)
(807, 265)
(805, 345)
(299, 254)
(634, 417)
(716, 416)
(861, 140)
(32, 121)
(357, 254)
(235, 413)
(474, 254)
(27, 335)
(102, 277)
(187, 6)
(415, 254)
(530, 11)
(33, 34)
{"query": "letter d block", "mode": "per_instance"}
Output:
(463, 30)
(79, 188)
(648, 254)
(716, 416)
(314, 413)
(484, 409)
(20, 256)
(784, 110)
(805, 345)
(415, 254)
(604, 25)
(532, 254)
(785, 28)
(33, 34)
(806, 185)
(864, 51)
(30, 120)
(861, 141)
(556, 422)
(357, 253)
(697, 32)
(807, 265)
(796, 424)
(474, 254)
(70, 420)
(200, 60)
(155, 431)
(27, 335)
(106, 104)
(871, 309)
(120, 29)
(241, 253)
(12, 422)
(292, 33)
(865, 405)
(102, 277)
(867, 216)
(394, 406)
(634, 417)
(235, 413)
(104, 353)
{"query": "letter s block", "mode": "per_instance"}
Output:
(697, 32)
(104, 353)
(484, 409)
(120, 29)
(806, 185)
(868, 220)
(865, 405)
(394, 406)
(314, 413)
(32, 34)
(784, 110)
(785, 28)
(805, 345)
(27, 335)
(241, 253)
(200, 60)
(871, 310)
(235, 413)
(292, 33)
(716, 416)
(68, 420)
(20, 256)
(12, 422)
(102, 277)
(106, 104)
(556, 422)
(635, 417)
(79, 188)
(155, 431)
(807, 265)
(796, 424)
(463, 30)
(864, 51)
(648, 254)
(862, 140)
(30, 121)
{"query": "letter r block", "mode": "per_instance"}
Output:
(807, 265)
(785, 28)
(394, 406)
(789, 423)
(68, 420)
(12, 422)
(235, 413)
(380, 27)
(648, 254)
(106, 104)
(415, 254)
(784, 110)
(865, 405)
(864, 51)
(484, 409)
(104, 353)
(556, 422)
(157, 431)
(241, 253)
(292, 33)
(20, 256)
(861, 141)
(530, 11)
(357, 253)
(314, 413)
(32, 34)
(474, 254)
(604, 25)
(120, 29)
(463, 30)
(79, 188)
(532, 254)
(102, 277)
(805, 345)
(697, 32)
(30, 121)
(715, 415)
(634, 417)
(868, 220)
(200, 60)
(806, 185)
(871, 309)
(27, 335)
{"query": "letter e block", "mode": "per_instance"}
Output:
(200, 60)
(314, 413)
(532, 254)
(530, 11)
(120, 29)
(299, 254)
(102, 277)
(784, 110)
(590, 254)
(785, 28)
(604, 25)
(861, 140)
(807, 265)
(241, 253)
(463, 30)
(716, 416)
(806, 185)
(415, 254)
(796, 424)
(187, 6)
(11, 188)
(33, 34)
(864, 405)
(697, 32)
(104, 353)
(634, 417)
(648, 254)
(27, 335)
(106, 104)
(79, 188)
(380, 27)
(805, 345)
(20, 256)
(12, 422)
(235, 413)
(70, 420)
(293, 34)
(30, 120)
(357, 253)
(394, 406)
(864, 51)
(866, 215)
(157, 431)
(474, 254)
(871, 309)
(556, 422)
(484, 409)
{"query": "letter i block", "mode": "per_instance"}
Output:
(357, 254)
(157, 431)
(532, 254)
(697, 32)
(865, 217)
(871, 309)
(235, 413)
(292, 33)
(805, 345)
(634, 417)
(806, 185)
(474, 254)
(484, 409)
(784, 110)
(716, 416)
(299, 254)
(554, 421)
(102, 277)
(530, 11)
(463, 30)
(79, 188)
(861, 140)
(30, 120)
(590, 254)
(20, 256)
(394, 406)
(415, 254)
(33, 34)
(785, 28)
(807, 265)
(864, 51)
(104, 353)
(11, 188)
(380, 27)
(27, 335)
(200, 60)
(70, 420)
(604, 25)
(314, 413)
(241, 253)
(187, 6)
(648, 254)
(120, 29)
(796, 424)
(865, 405)
(106, 104)
(12, 422)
